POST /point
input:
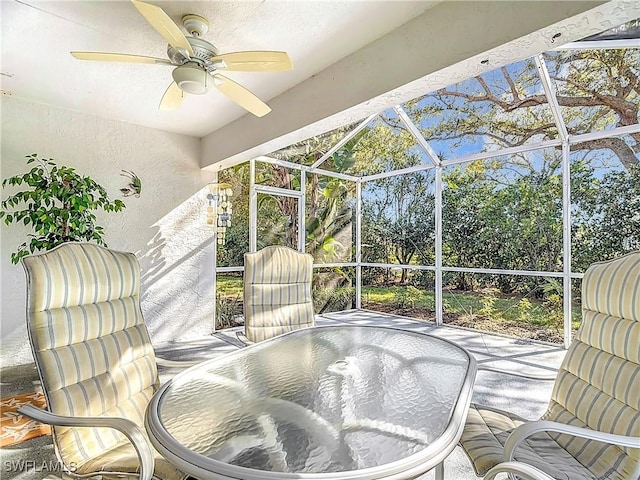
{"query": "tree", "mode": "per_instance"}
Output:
(464, 237)
(58, 205)
(607, 214)
(329, 223)
(329, 206)
(398, 211)
(596, 89)
(506, 212)
(231, 254)
(278, 214)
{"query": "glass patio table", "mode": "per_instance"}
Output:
(327, 402)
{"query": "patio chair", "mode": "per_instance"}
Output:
(95, 360)
(277, 292)
(591, 429)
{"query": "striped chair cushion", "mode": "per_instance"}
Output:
(597, 387)
(486, 432)
(124, 459)
(613, 288)
(277, 292)
(90, 344)
(80, 274)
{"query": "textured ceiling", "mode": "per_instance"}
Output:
(38, 35)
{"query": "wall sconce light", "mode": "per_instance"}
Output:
(219, 209)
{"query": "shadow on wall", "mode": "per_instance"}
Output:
(152, 262)
(177, 273)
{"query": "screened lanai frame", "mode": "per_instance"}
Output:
(563, 141)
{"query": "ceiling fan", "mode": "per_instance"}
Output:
(197, 63)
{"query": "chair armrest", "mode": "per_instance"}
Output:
(523, 470)
(163, 362)
(132, 431)
(527, 429)
(550, 377)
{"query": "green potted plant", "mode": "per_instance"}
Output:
(58, 205)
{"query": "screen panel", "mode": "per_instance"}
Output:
(504, 213)
(330, 219)
(605, 200)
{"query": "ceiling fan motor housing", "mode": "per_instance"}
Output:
(203, 52)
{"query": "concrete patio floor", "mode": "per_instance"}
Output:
(526, 397)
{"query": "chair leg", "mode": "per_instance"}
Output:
(440, 471)
(243, 338)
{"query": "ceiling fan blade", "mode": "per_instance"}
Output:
(119, 57)
(241, 96)
(164, 25)
(255, 61)
(172, 98)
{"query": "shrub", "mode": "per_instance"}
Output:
(555, 314)
(524, 310)
(488, 303)
(332, 299)
(228, 309)
(406, 297)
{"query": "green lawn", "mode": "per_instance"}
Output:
(229, 286)
(465, 303)
(469, 303)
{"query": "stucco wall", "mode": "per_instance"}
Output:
(165, 227)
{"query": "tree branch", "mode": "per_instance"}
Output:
(512, 85)
(616, 145)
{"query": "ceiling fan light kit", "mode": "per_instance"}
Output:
(197, 62)
(192, 78)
